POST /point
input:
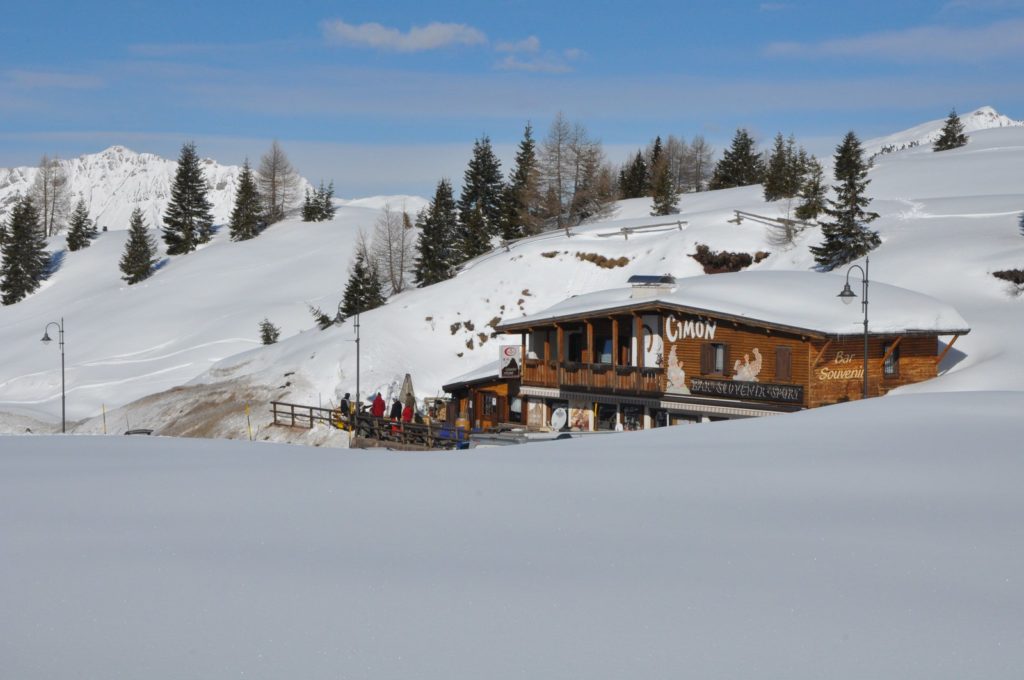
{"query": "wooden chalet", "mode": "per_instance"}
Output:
(663, 352)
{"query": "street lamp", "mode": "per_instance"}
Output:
(60, 341)
(847, 295)
(339, 316)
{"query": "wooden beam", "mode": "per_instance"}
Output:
(547, 346)
(615, 341)
(820, 354)
(945, 351)
(590, 343)
(639, 334)
(891, 350)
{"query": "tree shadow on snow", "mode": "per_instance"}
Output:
(55, 263)
(161, 264)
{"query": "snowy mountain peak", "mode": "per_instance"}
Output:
(984, 118)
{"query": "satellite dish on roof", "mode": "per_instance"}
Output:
(558, 419)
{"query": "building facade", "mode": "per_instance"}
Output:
(661, 352)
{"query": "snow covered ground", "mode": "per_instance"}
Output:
(809, 546)
(948, 220)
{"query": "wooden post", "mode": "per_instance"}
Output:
(615, 341)
(639, 340)
(590, 342)
(892, 349)
(820, 354)
(523, 355)
(547, 346)
(560, 340)
(945, 351)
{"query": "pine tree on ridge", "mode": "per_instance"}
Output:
(140, 251)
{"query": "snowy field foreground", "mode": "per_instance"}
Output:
(808, 546)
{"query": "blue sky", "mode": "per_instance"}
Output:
(388, 97)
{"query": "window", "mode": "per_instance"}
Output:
(490, 405)
(891, 369)
(714, 357)
(783, 364)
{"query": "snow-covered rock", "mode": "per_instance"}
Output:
(117, 180)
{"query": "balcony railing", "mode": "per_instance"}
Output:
(600, 377)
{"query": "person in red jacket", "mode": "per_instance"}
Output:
(377, 410)
(407, 413)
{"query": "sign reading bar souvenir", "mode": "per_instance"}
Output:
(511, 361)
(741, 389)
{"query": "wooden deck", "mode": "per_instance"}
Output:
(363, 425)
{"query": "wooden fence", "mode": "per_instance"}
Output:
(434, 435)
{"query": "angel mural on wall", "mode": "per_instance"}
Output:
(675, 374)
(747, 370)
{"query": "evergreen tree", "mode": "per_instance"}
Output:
(952, 135)
(847, 237)
(436, 257)
(323, 321)
(309, 208)
(81, 230)
(656, 155)
(326, 201)
(663, 190)
(1021, 227)
(812, 193)
(25, 259)
(785, 169)
(247, 215)
(633, 178)
(364, 290)
(740, 165)
(140, 255)
(521, 214)
(187, 222)
(480, 208)
(269, 333)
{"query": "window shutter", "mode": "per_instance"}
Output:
(726, 364)
(705, 359)
(783, 363)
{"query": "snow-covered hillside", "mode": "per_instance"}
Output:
(948, 220)
(117, 180)
(985, 118)
(736, 550)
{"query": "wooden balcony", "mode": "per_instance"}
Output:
(593, 377)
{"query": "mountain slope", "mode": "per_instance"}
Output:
(985, 118)
(948, 220)
(117, 180)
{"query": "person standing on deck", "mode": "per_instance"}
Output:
(396, 409)
(377, 410)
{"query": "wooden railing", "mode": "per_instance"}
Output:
(602, 377)
(434, 435)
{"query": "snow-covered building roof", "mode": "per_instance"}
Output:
(803, 301)
(488, 371)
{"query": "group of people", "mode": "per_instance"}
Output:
(378, 409)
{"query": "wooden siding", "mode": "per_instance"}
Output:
(741, 342)
(829, 383)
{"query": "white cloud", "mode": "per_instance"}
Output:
(574, 53)
(529, 44)
(433, 36)
(922, 43)
(544, 64)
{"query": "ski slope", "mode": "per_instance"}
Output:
(802, 547)
(948, 220)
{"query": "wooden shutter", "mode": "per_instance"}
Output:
(783, 363)
(726, 364)
(706, 359)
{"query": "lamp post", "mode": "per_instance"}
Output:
(60, 341)
(847, 296)
(357, 402)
